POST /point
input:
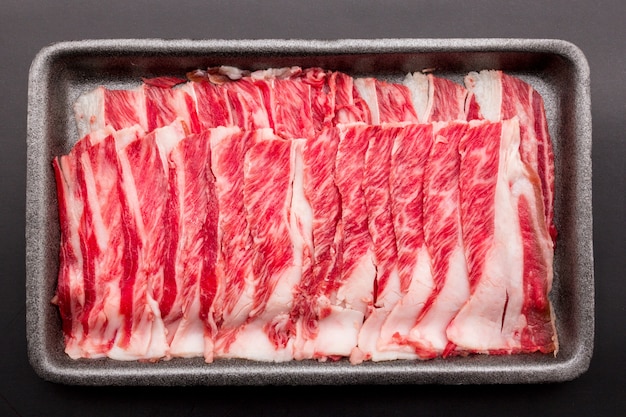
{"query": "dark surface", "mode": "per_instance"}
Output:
(596, 27)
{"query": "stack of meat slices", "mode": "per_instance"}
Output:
(305, 214)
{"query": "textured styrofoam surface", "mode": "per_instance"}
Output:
(557, 69)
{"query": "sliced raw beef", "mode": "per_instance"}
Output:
(301, 213)
(443, 239)
(449, 100)
(409, 158)
(144, 175)
(152, 105)
(267, 335)
(508, 248)
(498, 96)
(234, 261)
(301, 228)
(193, 208)
(322, 322)
(247, 103)
(111, 310)
(71, 297)
(103, 107)
(387, 102)
(366, 89)
(394, 103)
(354, 291)
(322, 97)
(349, 106)
(298, 103)
(165, 105)
(211, 104)
(376, 189)
(436, 99)
(288, 103)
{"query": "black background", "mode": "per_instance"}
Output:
(597, 27)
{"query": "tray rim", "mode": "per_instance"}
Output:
(259, 374)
